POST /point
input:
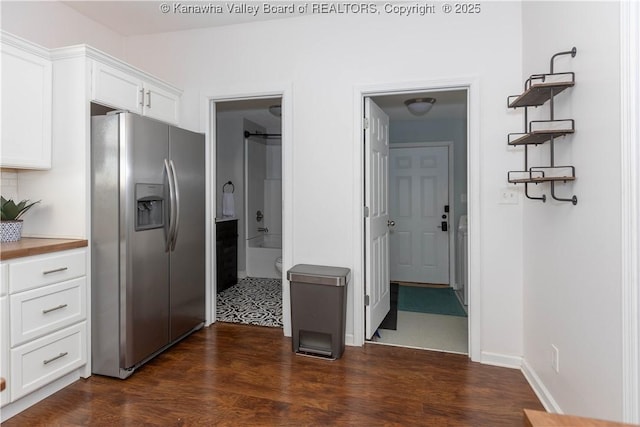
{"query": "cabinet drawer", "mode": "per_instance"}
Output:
(46, 269)
(44, 360)
(39, 311)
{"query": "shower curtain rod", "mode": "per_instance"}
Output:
(248, 134)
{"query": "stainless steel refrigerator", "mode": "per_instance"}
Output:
(147, 239)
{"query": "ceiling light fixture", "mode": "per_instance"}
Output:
(276, 110)
(419, 106)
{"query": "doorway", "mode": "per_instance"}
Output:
(249, 216)
(427, 196)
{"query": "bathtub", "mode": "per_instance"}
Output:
(262, 252)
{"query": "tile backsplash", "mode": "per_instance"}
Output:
(9, 183)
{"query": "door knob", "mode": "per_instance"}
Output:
(391, 223)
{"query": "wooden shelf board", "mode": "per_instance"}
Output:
(539, 93)
(542, 179)
(540, 136)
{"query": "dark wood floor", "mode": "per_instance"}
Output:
(240, 375)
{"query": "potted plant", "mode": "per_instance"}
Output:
(10, 222)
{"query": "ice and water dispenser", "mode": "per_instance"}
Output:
(150, 206)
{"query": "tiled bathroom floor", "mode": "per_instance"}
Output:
(253, 301)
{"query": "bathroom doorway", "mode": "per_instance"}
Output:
(249, 217)
(427, 198)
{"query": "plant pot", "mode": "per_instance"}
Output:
(10, 231)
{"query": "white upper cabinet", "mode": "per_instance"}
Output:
(26, 106)
(160, 104)
(115, 88)
(126, 89)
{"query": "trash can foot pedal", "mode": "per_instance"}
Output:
(317, 353)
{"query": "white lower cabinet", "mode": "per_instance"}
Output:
(41, 361)
(44, 325)
(4, 349)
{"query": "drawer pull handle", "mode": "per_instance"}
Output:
(49, 310)
(46, 362)
(57, 270)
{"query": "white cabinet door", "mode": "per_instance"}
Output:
(133, 92)
(4, 349)
(26, 110)
(114, 88)
(160, 104)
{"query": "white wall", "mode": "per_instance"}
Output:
(572, 266)
(323, 58)
(9, 184)
(53, 24)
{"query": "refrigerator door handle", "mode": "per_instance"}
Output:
(172, 208)
(176, 201)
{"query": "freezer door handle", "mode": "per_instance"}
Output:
(176, 203)
(172, 208)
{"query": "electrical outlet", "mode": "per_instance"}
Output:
(555, 358)
(509, 196)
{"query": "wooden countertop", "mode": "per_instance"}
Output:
(545, 419)
(28, 246)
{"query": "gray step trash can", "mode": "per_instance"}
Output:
(318, 310)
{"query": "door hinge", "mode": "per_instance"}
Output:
(366, 212)
(365, 123)
(366, 300)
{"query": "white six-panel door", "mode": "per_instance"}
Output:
(419, 191)
(377, 220)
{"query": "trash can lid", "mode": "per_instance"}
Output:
(319, 275)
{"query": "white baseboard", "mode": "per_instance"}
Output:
(502, 360)
(348, 340)
(539, 389)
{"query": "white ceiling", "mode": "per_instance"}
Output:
(130, 18)
(450, 104)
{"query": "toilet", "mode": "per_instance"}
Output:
(279, 264)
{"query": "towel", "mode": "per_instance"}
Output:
(228, 205)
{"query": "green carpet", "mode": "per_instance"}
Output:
(429, 300)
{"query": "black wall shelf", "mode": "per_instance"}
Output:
(538, 89)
